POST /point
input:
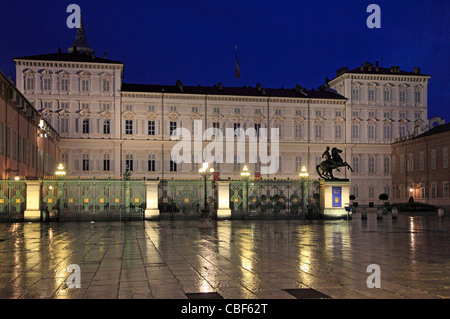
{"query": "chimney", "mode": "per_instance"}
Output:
(416, 70)
(59, 50)
(220, 86)
(104, 55)
(258, 86)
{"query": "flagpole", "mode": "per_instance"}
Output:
(235, 73)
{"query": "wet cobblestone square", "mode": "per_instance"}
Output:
(236, 259)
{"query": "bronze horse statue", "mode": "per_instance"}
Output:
(326, 167)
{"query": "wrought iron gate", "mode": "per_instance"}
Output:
(12, 200)
(184, 199)
(272, 199)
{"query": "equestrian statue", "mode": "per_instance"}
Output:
(331, 162)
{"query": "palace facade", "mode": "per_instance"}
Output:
(108, 126)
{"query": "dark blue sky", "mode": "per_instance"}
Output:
(280, 43)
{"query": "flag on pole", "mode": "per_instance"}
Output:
(238, 72)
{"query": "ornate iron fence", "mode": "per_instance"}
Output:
(184, 199)
(12, 200)
(92, 199)
(272, 199)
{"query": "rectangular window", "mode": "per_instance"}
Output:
(318, 112)
(387, 132)
(402, 163)
(236, 126)
(151, 163)
(402, 131)
(85, 162)
(338, 131)
(278, 112)
(278, 126)
(64, 159)
(216, 125)
(30, 83)
(433, 159)
(371, 132)
(338, 113)
(150, 108)
(355, 131)
(173, 108)
(172, 127)
(387, 96)
(445, 157)
(386, 115)
(386, 165)
(372, 114)
(355, 164)
(106, 85)
(129, 162)
(173, 166)
(85, 126)
(47, 105)
(64, 105)
(84, 106)
(371, 165)
(237, 111)
(417, 96)
(257, 127)
(106, 162)
(151, 128)
(106, 127)
(195, 109)
(128, 127)
(421, 161)
(298, 112)
(257, 111)
(216, 110)
(402, 115)
(402, 96)
(129, 107)
(47, 85)
(371, 192)
(65, 126)
(371, 95)
(355, 113)
(410, 164)
(64, 85)
(355, 190)
(84, 85)
(445, 189)
(298, 130)
(434, 190)
(106, 106)
(355, 94)
(298, 163)
(318, 131)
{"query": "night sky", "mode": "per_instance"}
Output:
(280, 43)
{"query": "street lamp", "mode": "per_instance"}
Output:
(205, 173)
(245, 175)
(60, 172)
(304, 178)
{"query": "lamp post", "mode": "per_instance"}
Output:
(60, 173)
(304, 179)
(245, 175)
(204, 172)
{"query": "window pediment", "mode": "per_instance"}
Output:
(105, 114)
(299, 119)
(196, 116)
(372, 120)
(356, 120)
(151, 115)
(128, 115)
(84, 113)
(278, 118)
(339, 119)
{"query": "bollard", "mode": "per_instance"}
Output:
(441, 212)
(394, 212)
(380, 213)
(364, 213)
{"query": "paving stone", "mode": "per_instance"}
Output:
(237, 259)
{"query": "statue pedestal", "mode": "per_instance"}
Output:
(334, 197)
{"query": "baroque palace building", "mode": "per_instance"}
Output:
(107, 125)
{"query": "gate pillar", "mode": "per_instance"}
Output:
(33, 211)
(151, 208)
(223, 191)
